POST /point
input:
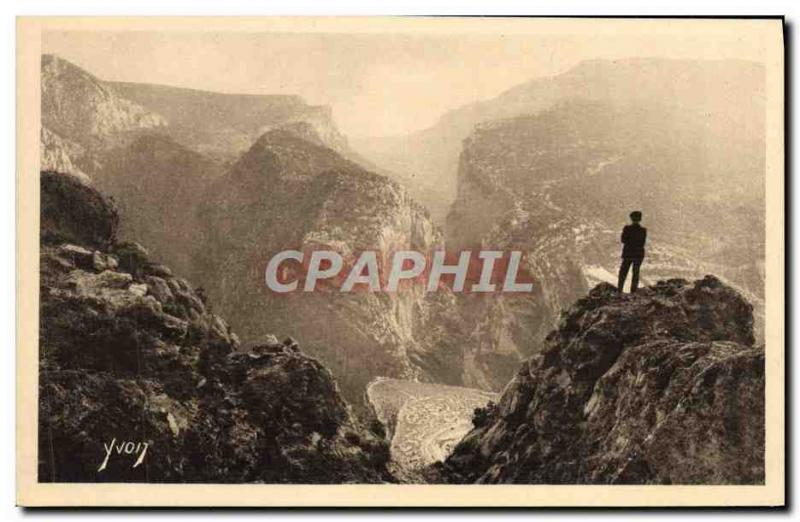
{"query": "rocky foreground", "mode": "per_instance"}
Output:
(661, 387)
(141, 382)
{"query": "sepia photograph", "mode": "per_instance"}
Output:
(523, 261)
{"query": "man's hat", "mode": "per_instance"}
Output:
(636, 215)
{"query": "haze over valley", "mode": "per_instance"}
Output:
(212, 183)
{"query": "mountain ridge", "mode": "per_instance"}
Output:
(215, 198)
(288, 192)
(429, 158)
(100, 114)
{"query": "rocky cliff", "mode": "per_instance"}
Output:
(83, 109)
(594, 160)
(56, 154)
(661, 387)
(290, 191)
(157, 149)
(729, 93)
(226, 125)
(214, 200)
(559, 185)
(99, 114)
(141, 382)
(552, 167)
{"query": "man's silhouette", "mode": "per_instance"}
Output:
(633, 239)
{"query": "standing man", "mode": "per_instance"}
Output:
(633, 239)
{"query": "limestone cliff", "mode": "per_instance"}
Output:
(99, 115)
(559, 184)
(427, 162)
(56, 154)
(289, 191)
(223, 126)
(195, 181)
(81, 108)
(156, 149)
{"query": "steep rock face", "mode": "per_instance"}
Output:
(157, 149)
(291, 192)
(131, 354)
(68, 90)
(57, 153)
(594, 160)
(83, 116)
(558, 185)
(727, 91)
(99, 115)
(506, 328)
(661, 387)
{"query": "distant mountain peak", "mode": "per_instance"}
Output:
(79, 107)
(296, 129)
(100, 114)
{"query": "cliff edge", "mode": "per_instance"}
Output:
(660, 387)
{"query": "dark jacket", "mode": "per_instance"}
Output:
(633, 237)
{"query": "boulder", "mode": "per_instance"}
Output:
(74, 212)
(76, 255)
(132, 256)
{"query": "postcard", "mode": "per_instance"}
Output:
(444, 262)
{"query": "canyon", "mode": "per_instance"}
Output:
(163, 186)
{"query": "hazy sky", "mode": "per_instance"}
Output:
(377, 84)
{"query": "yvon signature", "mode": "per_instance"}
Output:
(138, 449)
